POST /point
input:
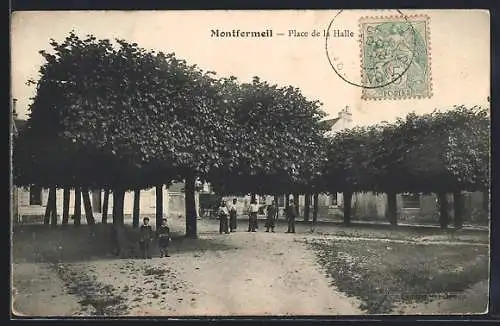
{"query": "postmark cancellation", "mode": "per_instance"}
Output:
(395, 57)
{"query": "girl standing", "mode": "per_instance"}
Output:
(223, 218)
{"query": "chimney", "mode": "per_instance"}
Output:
(14, 112)
(348, 113)
(345, 118)
(345, 113)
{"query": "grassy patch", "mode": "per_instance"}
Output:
(154, 271)
(406, 233)
(385, 274)
(100, 297)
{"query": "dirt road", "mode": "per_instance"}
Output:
(263, 273)
(216, 275)
(38, 291)
(237, 274)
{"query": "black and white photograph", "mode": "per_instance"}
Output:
(250, 163)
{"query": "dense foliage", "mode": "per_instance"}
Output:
(277, 140)
(116, 116)
(440, 151)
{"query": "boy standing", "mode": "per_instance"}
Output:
(163, 238)
(146, 238)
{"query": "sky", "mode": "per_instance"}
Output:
(458, 43)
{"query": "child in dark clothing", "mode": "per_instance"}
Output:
(163, 238)
(146, 238)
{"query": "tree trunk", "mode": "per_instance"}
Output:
(114, 210)
(458, 209)
(118, 199)
(347, 207)
(296, 203)
(315, 207)
(53, 209)
(46, 218)
(135, 215)
(486, 202)
(159, 205)
(443, 210)
(276, 200)
(307, 204)
(287, 201)
(253, 197)
(189, 191)
(392, 208)
(65, 215)
(89, 215)
(77, 216)
(105, 204)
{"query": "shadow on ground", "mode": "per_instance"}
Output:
(42, 243)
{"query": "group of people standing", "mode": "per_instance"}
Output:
(227, 217)
(228, 224)
(147, 235)
(228, 212)
(124, 248)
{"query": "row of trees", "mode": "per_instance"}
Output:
(120, 118)
(441, 152)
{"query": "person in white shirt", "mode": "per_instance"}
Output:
(232, 215)
(252, 220)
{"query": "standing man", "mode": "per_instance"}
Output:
(272, 215)
(232, 215)
(252, 216)
(290, 216)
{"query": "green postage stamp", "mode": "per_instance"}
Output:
(395, 57)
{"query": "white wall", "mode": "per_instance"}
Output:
(173, 203)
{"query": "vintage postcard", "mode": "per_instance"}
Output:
(250, 163)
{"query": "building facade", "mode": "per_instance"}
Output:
(30, 203)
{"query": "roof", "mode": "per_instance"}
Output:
(176, 187)
(20, 124)
(328, 124)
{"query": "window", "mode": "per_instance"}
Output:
(334, 199)
(411, 200)
(281, 201)
(35, 195)
(96, 201)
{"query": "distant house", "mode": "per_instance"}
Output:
(341, 122)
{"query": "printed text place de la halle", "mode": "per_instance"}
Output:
(269, 33)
